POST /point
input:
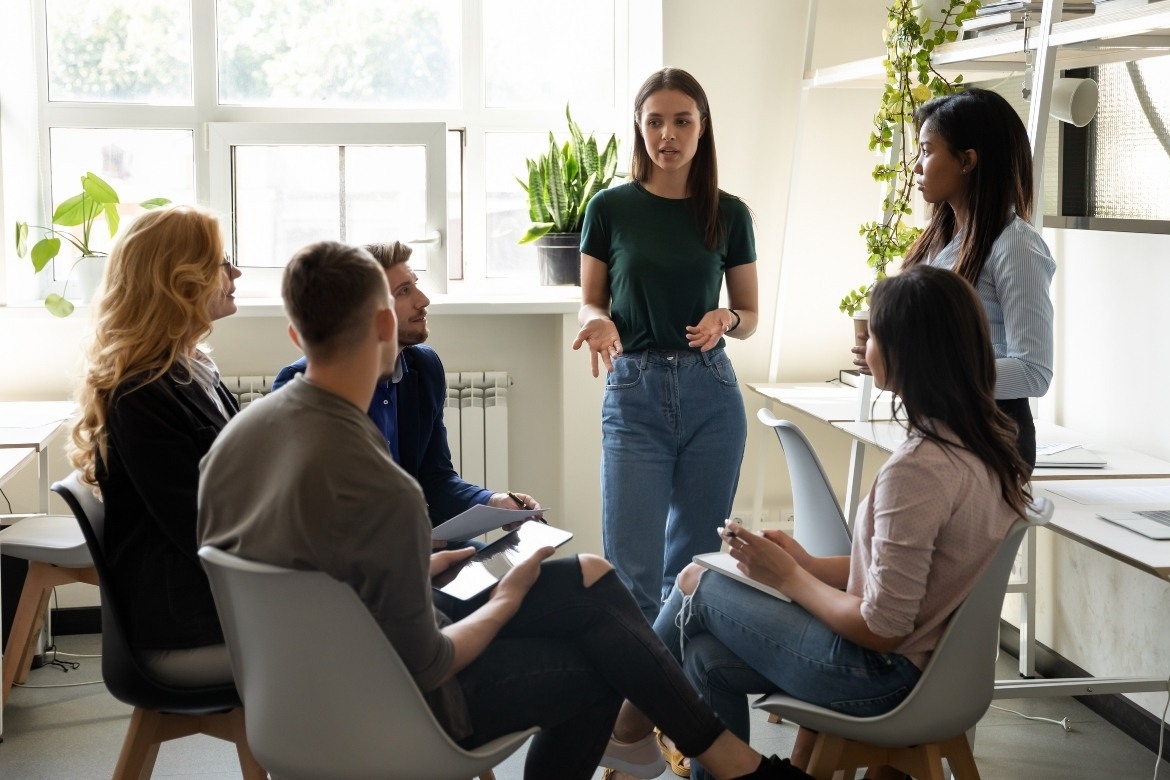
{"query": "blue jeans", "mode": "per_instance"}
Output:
(740, 641)
(673, 431)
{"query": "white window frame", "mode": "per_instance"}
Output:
(634, 57)
(224, 137)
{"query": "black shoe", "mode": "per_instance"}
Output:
(776, 768)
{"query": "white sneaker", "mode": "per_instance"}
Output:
(640, 759)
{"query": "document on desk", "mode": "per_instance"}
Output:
(1105, 494)
(478, 520)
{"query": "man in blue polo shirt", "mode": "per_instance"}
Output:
(408, 405)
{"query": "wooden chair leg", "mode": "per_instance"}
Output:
(139, 748)
(957, 752)
(488, 775)
(230, 727)
(774, 718)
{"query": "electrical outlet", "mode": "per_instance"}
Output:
(748, 519)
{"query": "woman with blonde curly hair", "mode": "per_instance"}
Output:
(151, 405)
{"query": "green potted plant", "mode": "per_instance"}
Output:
(97, 198)
(911, 80)
(560, 184)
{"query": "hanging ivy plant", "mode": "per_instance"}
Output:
(911, 80)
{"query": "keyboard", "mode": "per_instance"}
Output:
(1157, 515)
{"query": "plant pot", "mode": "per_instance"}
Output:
(89, 271)
(558, 257)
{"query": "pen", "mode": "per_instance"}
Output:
(523, 505)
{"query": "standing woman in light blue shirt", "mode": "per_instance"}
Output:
(975, 166)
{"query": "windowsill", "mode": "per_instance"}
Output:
(530, 300)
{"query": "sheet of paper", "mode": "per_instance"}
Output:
(1052, 449)
(480, 519)
(1105, 494)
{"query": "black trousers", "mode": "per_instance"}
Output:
(564, 662)
(1021, 411)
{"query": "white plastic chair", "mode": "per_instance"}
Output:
(818, 522)
(325, 694)
(951, 696)
(56, 555)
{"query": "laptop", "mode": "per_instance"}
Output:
(1064, 456)
(1154, 523)
(727, 566)
(484, 569)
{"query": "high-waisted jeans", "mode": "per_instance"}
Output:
(564, 663)
(741, 641)
(672, 437)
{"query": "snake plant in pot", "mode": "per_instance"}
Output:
(96, 199)
(560, 184)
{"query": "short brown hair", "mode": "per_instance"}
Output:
(389, 255)
(330, 290)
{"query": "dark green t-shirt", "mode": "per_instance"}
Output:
(661, 276)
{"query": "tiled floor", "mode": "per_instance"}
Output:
(74, 733)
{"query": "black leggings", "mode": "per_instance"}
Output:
(565, 662)
(1021, 411)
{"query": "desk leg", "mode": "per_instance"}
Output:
(1027, 591)
(853, 486)
(43, 477)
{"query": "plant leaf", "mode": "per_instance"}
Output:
(558, 201)
(112, 218)
(21, 239)
(71, 212)
(44, 251)
(96, 188)
(535, 232)
(154, 203)
(58, 306)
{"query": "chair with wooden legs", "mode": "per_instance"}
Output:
(951, 696)
(162, 711)
(56, 555)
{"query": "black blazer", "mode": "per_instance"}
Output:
(156, 435)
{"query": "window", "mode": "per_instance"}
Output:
(1116, 171)
(345, 119)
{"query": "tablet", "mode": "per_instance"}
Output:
(484, 569)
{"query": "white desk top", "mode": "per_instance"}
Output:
(1079, 521)
(1120, 463)
(32, 423)
(828, 401)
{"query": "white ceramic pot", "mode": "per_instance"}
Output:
(89, 272)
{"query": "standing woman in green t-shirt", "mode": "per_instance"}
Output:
(654, 254)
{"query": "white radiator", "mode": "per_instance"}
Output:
(477, 426)
(476, 416)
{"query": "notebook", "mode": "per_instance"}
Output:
(484, 569)
(1154, 523)
(726, 565)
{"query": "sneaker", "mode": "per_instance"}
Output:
(776, 768)
(640, 759)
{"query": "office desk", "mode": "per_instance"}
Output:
(827, 401)
(34, 424)
(1120, 463)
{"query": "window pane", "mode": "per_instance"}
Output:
(122, 51)
(1129, 169)
(454, 204)
(507, 204)
(290, 196)
(285, 197)
(138, 164)
(386, 196)
(403, 54)
(529, 62)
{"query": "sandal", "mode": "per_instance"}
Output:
(639, 759)
(674, 757)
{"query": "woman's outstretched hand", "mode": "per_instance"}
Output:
(602, 337)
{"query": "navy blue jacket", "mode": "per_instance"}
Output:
(422, 435)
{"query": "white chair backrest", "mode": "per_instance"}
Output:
(818, 522)
(957, 684)
(325, 694)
